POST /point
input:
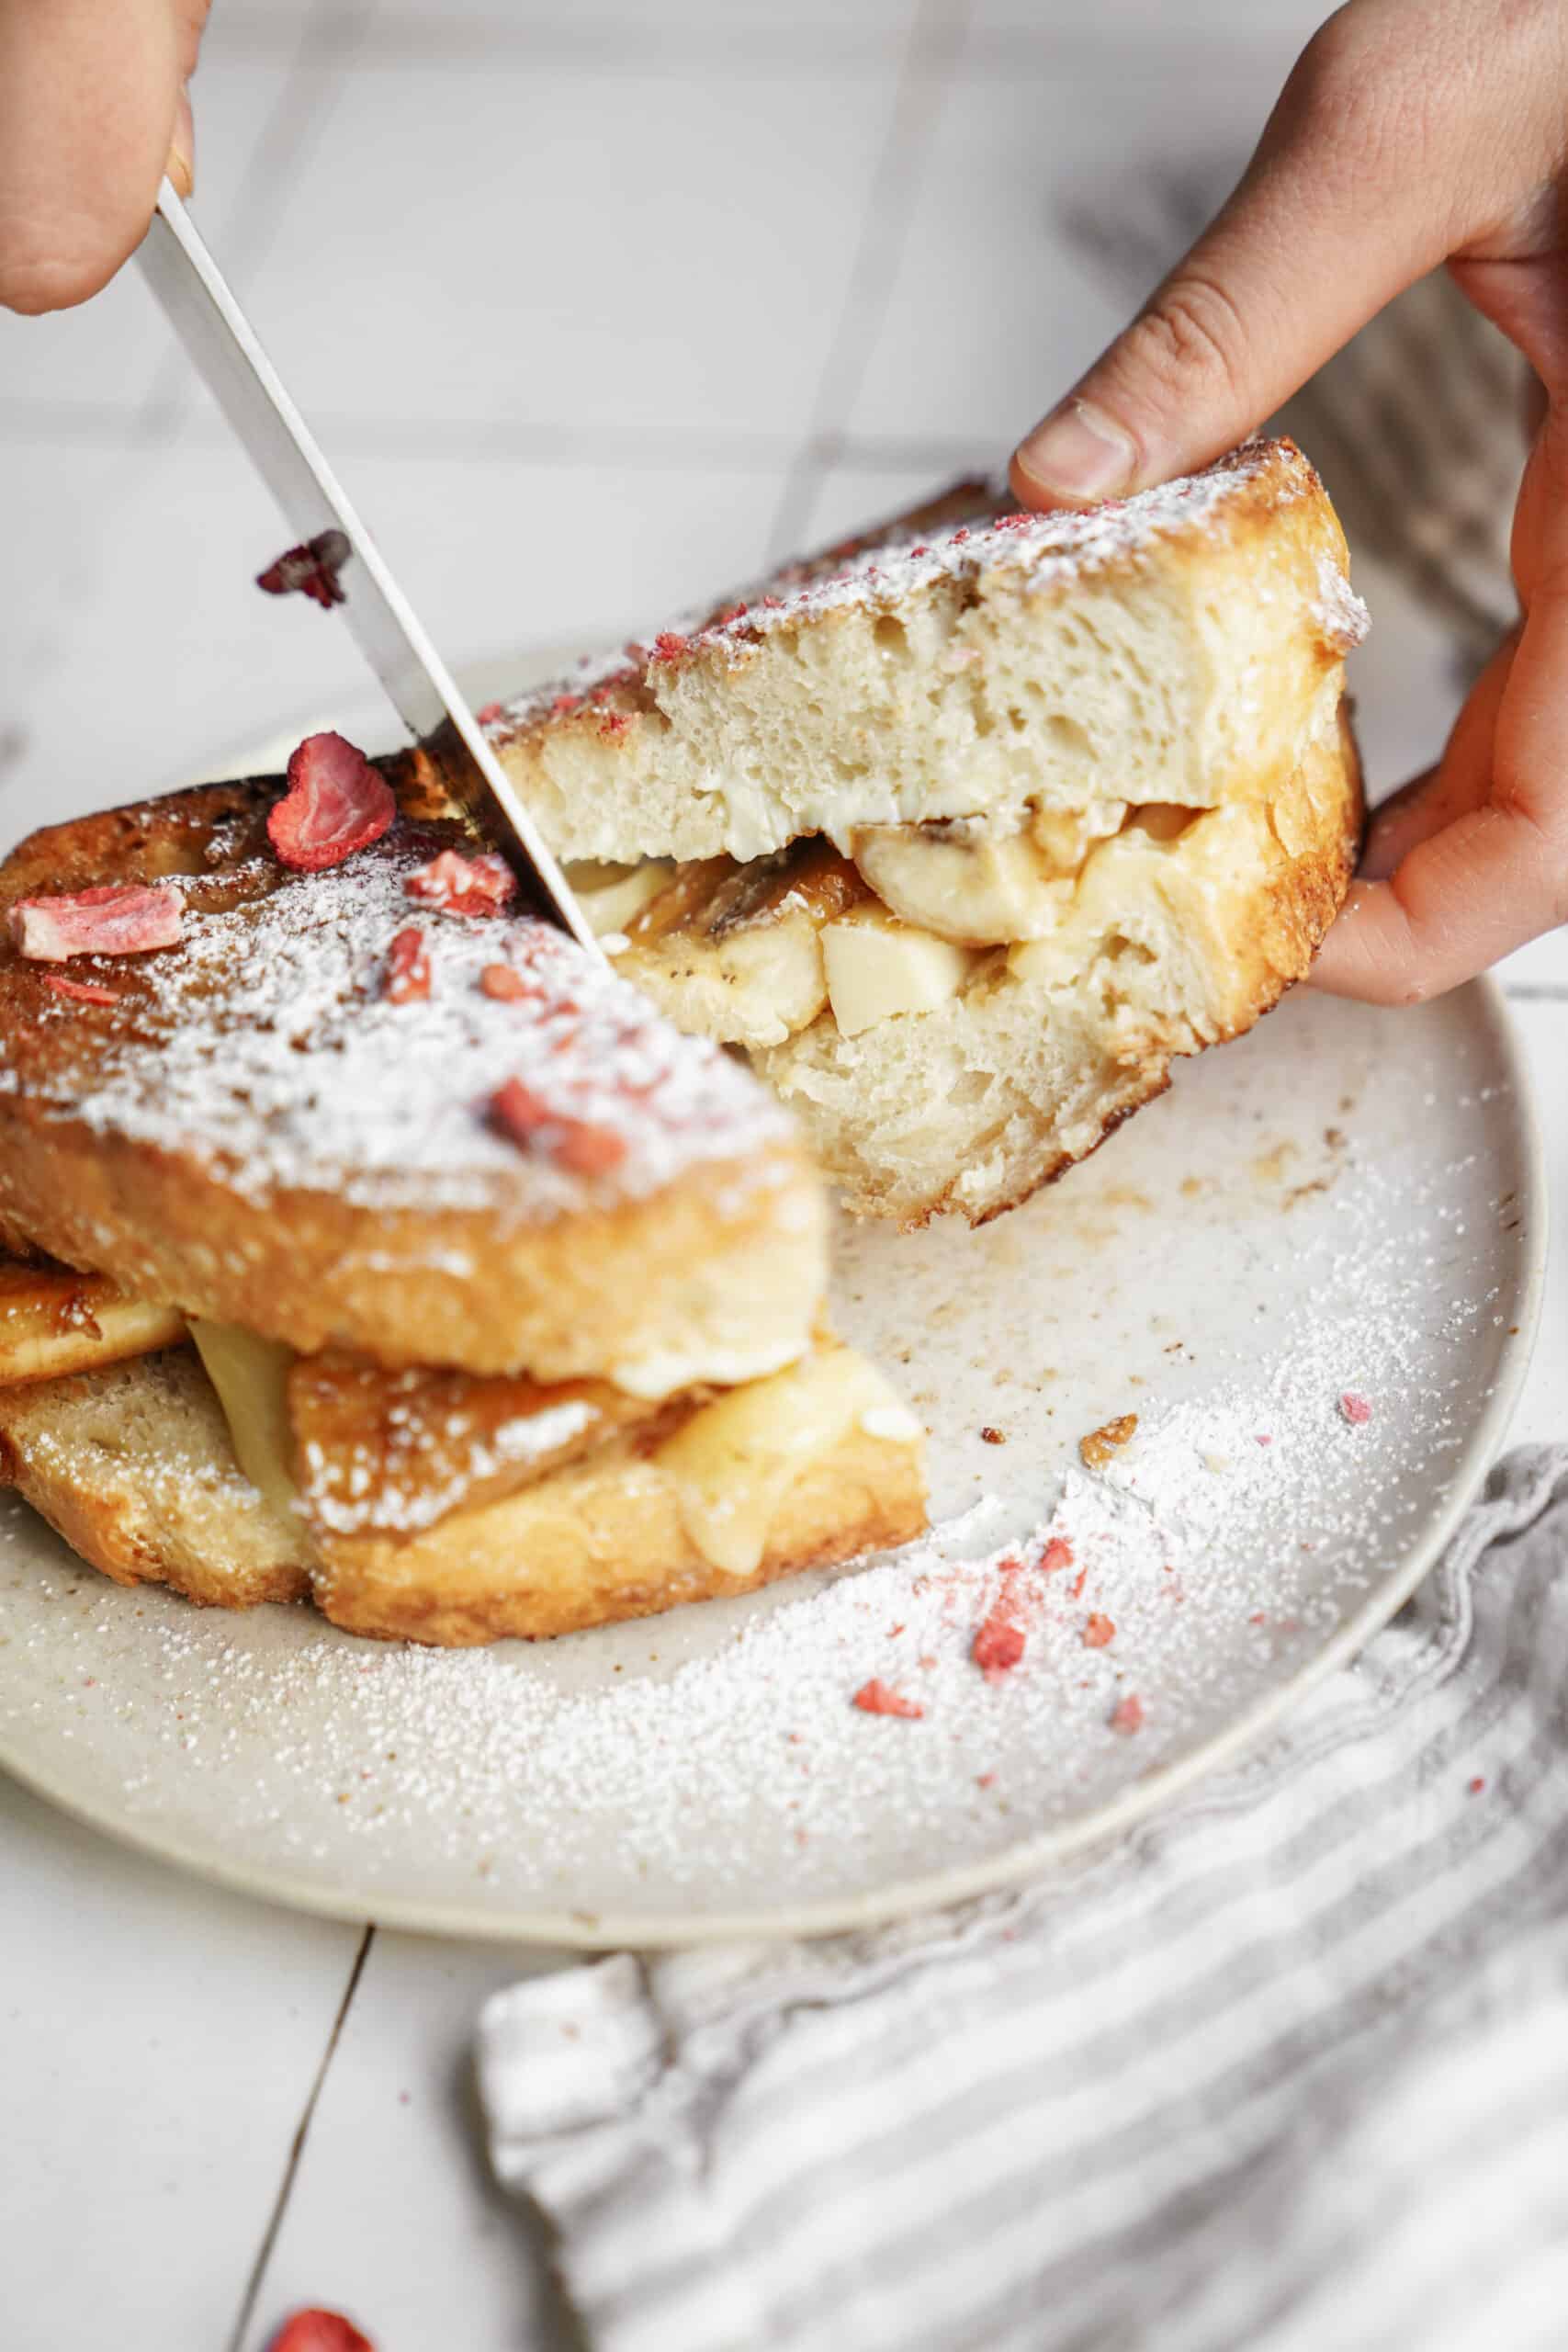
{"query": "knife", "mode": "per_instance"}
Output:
(219, 337)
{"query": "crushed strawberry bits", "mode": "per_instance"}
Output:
(85, 991)
(1355, 1410)
(320, 2331)
(116, 918)
(407, 976)
(456, 884)
(336, 803)
(310, 571)
(998, 1644)
(874, 1698)
(505, 983)
(535, 1124)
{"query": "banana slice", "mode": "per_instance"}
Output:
(963, 881)
(1066, 836)
(612, 895)
(878, 966)
(733, 952)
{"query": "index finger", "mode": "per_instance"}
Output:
(1385, 153)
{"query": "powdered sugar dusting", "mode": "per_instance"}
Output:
(1047, 549)
(1340, 612)
(267, 1045)
(1329, 1209)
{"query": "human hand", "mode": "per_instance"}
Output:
(92, 113)
(1411, 132)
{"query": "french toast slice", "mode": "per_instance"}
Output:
(135, 1466)
(254, 1130)
(502, 1295)
(1091, 774)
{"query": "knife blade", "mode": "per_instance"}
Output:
(220, 339)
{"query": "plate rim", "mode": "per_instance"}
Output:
(582, 1930)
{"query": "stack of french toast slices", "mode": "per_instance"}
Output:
(372, 1243)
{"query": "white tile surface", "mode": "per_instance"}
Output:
(848, 499)
(561, 286)
(494, 555)
(102, 360)
(1178, 22)
(994, 310)
(157, 2042)
(716, 28)
(615, 250)
(395, 2217)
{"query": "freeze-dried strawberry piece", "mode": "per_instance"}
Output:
(1098, 1631)
(336, 803)
(873, 1698)
(536, 1125)
(114, 919)
(319, 2331)
(505, 983)
(408, 968)
(310, 571)
(1058, 1554)
(1355, 1410)
(463, 886)
(998, 1643)
(1127, 1717)
(87, 991)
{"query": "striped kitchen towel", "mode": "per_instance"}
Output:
(1285, 2070)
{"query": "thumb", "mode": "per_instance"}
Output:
(1325, 227)
(89, 98)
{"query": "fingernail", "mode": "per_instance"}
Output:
(1080, 452)
(180, 163)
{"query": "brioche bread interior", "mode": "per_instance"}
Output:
(963, 831)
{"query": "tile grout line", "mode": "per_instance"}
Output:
(258, 2279)
(484, 439)
(935, 44)
(620, 44)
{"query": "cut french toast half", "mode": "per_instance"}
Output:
(136, 1467)
(965, 830)
(400, 1257)
(254, 1126)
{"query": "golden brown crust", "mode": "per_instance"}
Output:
(134, 1466)
(588, 1280)
(667, 1276)
(1294, 916)
(605, 1541)
(1265, 931)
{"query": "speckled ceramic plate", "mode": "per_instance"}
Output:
(1346, 1206)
